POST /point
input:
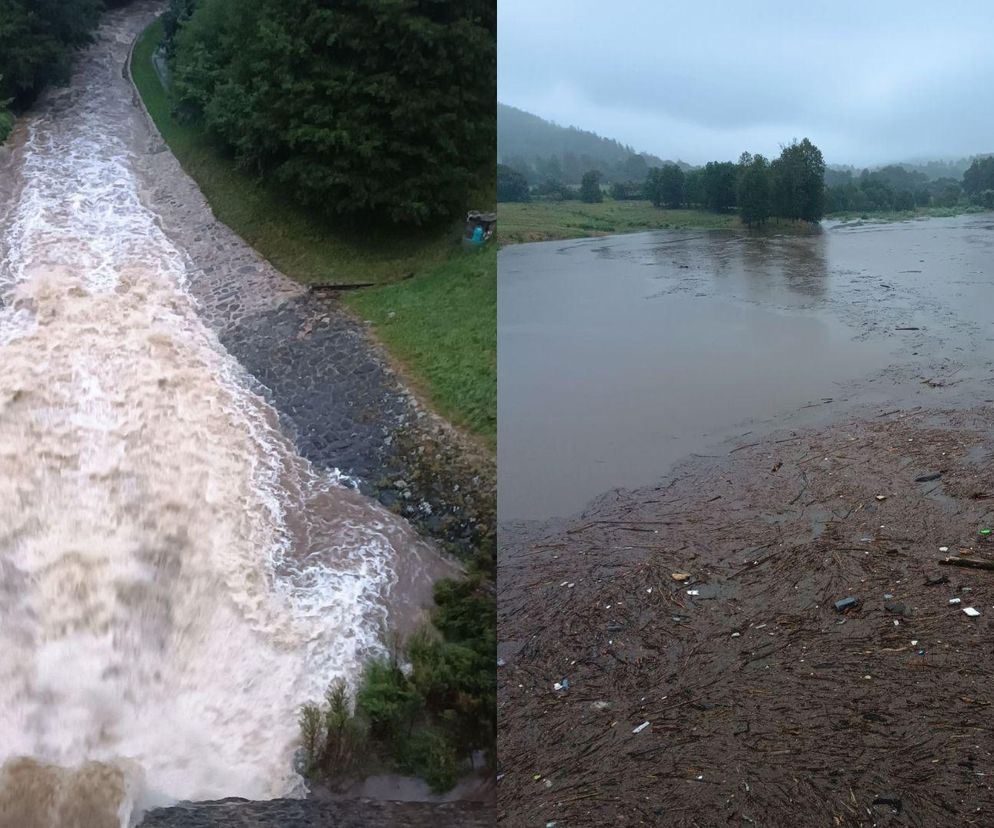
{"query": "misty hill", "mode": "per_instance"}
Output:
(541, 149)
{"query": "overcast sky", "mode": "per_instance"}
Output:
(698, 80)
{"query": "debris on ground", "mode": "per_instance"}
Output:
(717, 691)
(846, 603)
(641, 727)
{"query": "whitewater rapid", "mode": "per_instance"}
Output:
(174, 579)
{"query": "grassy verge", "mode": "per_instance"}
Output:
(457, 360)
(549, 220)
(906, 215)
(439, 325)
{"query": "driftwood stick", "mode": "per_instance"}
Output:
(972, 563)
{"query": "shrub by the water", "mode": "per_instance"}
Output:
(383, 107)
(426, 718)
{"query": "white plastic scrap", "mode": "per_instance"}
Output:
(641, 727)
(693, 592)
(954, 600)
(971, 612)
(943, 548)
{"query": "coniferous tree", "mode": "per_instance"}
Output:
(590, 188)
(378, 107)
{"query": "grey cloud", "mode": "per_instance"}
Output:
(868, 82)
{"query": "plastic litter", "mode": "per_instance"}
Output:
(985, 532)
(943, 548)
(881, 497)
(693, 592)
(501, 662)
(954, 600)
(846, 603)
(641, 727)
(971, 612)
(561, 685)
(893, 800)
(680, 576)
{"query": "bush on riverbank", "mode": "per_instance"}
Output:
(426, 717)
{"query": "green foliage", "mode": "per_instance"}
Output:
(718, 181)
(693, 188)
(590, 188)
(627, 190)
(6, 119)
(386, 699)
(753, 192)
(664, 186)
(511, 185)
(37, 41)
(799, 182)
(979, 177)
(377, 107)
(429, 754)
(427, 720)
(895, 189)
(331, 737)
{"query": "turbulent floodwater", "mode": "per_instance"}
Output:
(174, 580)
(620, 356)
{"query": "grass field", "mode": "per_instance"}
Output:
(453, 349)
(442, 333)
(549, 220)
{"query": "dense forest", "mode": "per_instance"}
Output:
(357, 109)
(375, 108)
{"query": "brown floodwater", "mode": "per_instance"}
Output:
(620, 356)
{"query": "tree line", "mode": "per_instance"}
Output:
(795, 185)
(380, 108)
(790, 186)
(896, 188)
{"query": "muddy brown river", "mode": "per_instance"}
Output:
(621, 356)
(175, 578)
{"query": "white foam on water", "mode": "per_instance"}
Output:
(174, 580)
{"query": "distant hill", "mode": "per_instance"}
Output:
(540, 149)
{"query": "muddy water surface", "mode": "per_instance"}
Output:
(174, 579)
(620, 356)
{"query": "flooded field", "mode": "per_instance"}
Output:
(621, 356)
